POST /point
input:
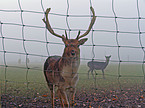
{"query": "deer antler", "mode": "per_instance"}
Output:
(90, 26)
(49, 27)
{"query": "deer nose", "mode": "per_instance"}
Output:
(73, 52)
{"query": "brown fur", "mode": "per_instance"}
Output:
(62, 71)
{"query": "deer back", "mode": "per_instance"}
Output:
(96, 65)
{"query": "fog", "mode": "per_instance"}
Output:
(104, 36)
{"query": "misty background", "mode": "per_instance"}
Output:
(103, 37)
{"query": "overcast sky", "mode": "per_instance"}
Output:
(103, 35)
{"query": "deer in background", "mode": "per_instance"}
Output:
(95, 65)
(61, 71)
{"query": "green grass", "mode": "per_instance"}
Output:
(23, 82)
(130, 75)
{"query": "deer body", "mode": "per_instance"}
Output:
(58, 72)
(95, 65)
(61, 71)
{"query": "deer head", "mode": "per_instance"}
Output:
(71, 45)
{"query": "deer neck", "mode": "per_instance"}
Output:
(107, 61)
(70, 64)
(70, 61)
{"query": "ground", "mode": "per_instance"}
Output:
(128, 98)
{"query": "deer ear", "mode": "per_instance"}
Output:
(82, 41)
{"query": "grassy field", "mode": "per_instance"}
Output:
(24, 82)
(123, 86)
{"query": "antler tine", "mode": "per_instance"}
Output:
(78, 34)
(90, 26)
(66, 34)
(48, 25)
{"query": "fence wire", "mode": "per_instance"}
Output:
(23, 26)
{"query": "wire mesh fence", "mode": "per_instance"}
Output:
(22, 83)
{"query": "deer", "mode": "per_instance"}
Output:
(95, 65)
(61, 71)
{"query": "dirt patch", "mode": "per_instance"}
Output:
(84, 99)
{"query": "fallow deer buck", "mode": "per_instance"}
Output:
(61, 71)
(95, 65)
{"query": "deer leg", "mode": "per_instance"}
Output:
(103, 74)
(89, 72)
(52, 95)
(72, 92)
(60, 97)
(63, 97)
(92, 74)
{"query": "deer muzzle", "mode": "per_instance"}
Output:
(73, 52)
